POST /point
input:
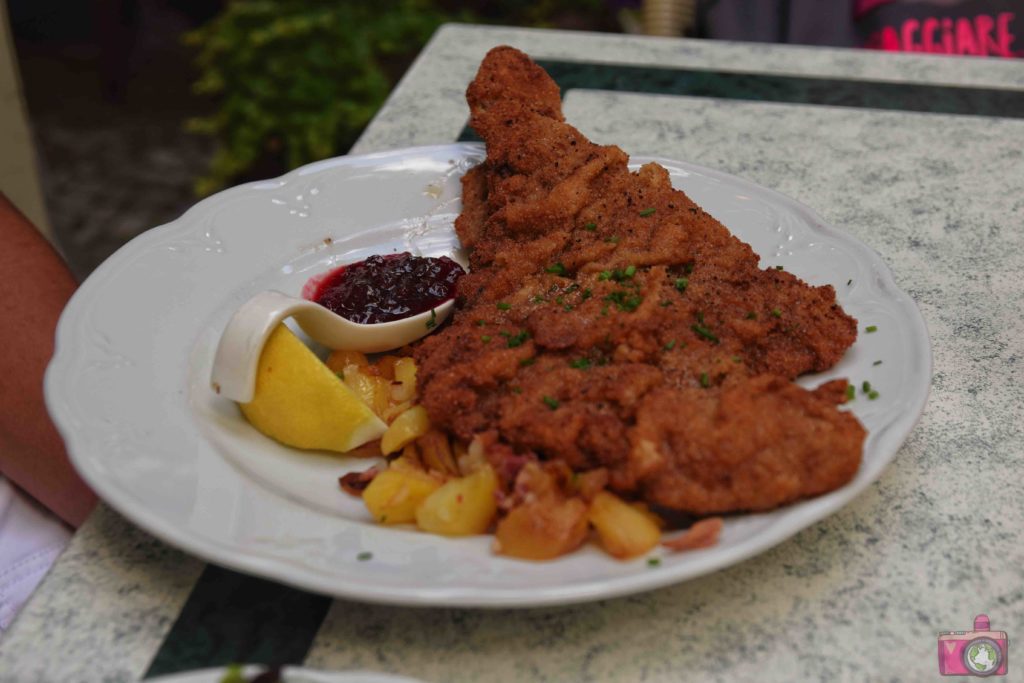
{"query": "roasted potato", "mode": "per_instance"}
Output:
(395, 494)
(374, 391)
(542, 529)
(436, 453)
(394, 410)
(386, 366)
(338, 360)
(403, 388)
(461, 507)
(407, 427)
(409, 459)
(624, 531)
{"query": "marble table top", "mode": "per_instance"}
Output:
(920, 157)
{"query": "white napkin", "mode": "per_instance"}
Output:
(30, 540)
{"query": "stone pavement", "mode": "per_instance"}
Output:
(114, 162)
(107, 182)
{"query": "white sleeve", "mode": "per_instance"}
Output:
(30, 540)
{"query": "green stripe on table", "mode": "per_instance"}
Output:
(751, 87)
(233, 618)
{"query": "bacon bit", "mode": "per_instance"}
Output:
(702, 534)
(354, 483)
(505, 501)
(506, 462)
(367, 450)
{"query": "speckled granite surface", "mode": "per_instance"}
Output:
(935, 541)
(860, 596)
(102, 610)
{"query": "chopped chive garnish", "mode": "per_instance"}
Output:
(614, 239)
(559, 300)
(851, 392)
(682, 283)
(481, 322)
(617, 274)
(586, 294)
(751, 316)
(514, 340)
(871, 328)
(704, 380)
(590, 226)
(877, 362)
(779, 268)
(537, 299)
(517, 390)
(647, 212)
(557, 269)
(432, 323)
(486, 339)
(704, 332)
(737, 359)
(551, 402)
(364, 556)
(776, 313)
(503, 306)
(625, 301)
(653, 561)
(849, 282)
(527, 361)
(866, 387)
(671, 345)
(664, 304)
(700, 317)
(604, 310)
(872, 395)
(580, 363)
(567, 308)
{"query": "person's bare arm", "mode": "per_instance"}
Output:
(34, 287)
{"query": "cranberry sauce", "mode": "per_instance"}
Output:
(385, 288)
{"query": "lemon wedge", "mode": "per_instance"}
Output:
(300, 402)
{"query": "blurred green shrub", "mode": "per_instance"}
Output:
(297, 80)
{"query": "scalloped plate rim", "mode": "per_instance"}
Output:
(309, 578)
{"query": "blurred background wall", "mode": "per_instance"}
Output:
(19, 176)
(108, 87)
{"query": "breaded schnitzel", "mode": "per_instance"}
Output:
(608, 321)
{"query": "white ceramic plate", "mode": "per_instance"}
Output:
(128, 386)
(289, 674)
